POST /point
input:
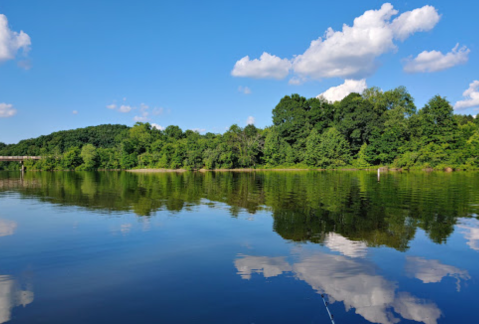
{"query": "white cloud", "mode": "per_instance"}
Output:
(11, 41)
(75, 112)
(354, 283)
(250, 120)
(267, 67)
(7, 110)
(434, 61)
(410, 22)
(112, 106)
(159, 127)
(145, 113)
(349, 53)
(143, 118)
(125, 109)
(198, 130)
(339, 243)
(339, 92)
(472, 95)
(352, 52)
(244, 90)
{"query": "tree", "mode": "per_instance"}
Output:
(89, 156)
(276, 150)
(72, 159)
(292, 118)
(327, 150)
(358, 120)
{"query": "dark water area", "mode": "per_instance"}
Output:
(265, 247)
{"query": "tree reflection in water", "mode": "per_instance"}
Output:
(318, 207)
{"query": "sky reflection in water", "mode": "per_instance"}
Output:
(238, 247)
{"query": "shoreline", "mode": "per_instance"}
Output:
(157, 170)
(151, 170)
(374, 169)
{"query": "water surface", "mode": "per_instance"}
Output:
(266, 247)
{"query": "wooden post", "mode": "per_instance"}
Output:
(23, 167)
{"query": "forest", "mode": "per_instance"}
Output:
(375, 128)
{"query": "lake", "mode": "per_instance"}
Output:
(237, 247)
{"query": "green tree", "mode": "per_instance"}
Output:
(327, 150)
(89, 156)
(72, 159)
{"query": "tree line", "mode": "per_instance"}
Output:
(375, 128)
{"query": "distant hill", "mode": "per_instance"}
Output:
(105, 136)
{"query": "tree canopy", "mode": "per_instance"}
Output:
(362, 130)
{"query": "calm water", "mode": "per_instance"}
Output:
(265, 247)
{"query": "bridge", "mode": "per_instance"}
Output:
(19, 159)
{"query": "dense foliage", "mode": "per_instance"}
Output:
(362, 130)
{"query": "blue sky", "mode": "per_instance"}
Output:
(175, 63)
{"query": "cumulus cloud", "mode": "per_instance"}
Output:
(343, 279)
(158, 127)
(350, 53)
(410, 22)
(145, 113)
(267, 67)
(11, 41)
(339, 243)
(198, 130)
(142, 118)
(471, 95)
(75, 112)
(434, 61)
(7, 110)
(250, 120)
(124, 108)
(339, 92)
(112, 106)
(244, 90)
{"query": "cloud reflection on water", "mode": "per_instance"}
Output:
(11, 295)
(429, 271)
(339, 243)
(470, 229)
(7, 227)
(349, 281)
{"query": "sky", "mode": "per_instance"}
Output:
(205, 65)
